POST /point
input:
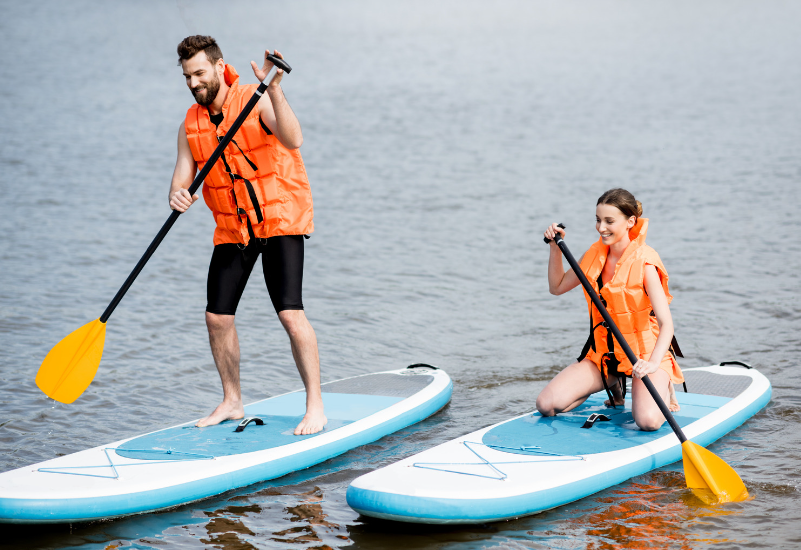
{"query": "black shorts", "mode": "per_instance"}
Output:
(230, 267)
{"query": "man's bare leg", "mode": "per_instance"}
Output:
(304, 350)
(225, 349)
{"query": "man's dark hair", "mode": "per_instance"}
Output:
(191, 45)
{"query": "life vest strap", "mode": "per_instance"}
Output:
(609, 362)
(250, 162)
(254, 200)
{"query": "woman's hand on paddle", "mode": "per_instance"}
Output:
(181, 200)
(643, 367)
(551, 232)
(261, 74)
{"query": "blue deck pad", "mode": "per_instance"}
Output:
(339, 406)
(280, 414)
(563, 434)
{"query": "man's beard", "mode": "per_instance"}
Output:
(211, 89)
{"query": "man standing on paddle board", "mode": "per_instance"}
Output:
(260, 197)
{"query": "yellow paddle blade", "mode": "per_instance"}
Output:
(705, 471)
(72, 363)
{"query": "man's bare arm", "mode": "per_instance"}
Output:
(274, 110)
(184, 174)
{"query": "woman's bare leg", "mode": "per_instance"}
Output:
(644, 409)
(673, 406)
(570, 388)
(617, 392)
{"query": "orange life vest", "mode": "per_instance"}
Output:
(256, 179)
(627, 302)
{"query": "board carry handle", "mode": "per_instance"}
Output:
(746, 365)
(593, 418)
(245, 421)
(422, 366)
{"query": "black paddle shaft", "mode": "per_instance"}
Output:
(278, 63)
(618, 336)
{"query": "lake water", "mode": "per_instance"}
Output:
(441, 138)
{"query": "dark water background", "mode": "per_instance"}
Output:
(440, 138)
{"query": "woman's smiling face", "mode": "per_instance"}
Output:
(612, 224)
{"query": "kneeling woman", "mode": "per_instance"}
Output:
(633, 285)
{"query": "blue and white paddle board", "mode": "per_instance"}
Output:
(531, 463)
(184, 463)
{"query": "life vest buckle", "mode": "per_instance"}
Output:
(610, 361)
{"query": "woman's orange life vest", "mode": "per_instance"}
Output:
(256, 178)
(627, 302)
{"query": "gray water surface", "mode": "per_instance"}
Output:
(441, 138)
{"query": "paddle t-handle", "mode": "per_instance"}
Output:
(547, 240)
(560, 242)
(278, 62)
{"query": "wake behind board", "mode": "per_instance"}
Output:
(184, 463)
(532, 463)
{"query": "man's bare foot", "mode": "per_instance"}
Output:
(673, 404)
(313, 422)
(224, 411)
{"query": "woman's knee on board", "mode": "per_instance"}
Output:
(649, 421)
(546, 403)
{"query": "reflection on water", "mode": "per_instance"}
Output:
(224, 531)
(655, 510)
(645, 514)
(307, 511)
(238, 527)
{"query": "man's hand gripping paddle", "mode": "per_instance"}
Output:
(71, 365)
(703, 470)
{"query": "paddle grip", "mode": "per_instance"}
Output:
(547, 240)
(560, 242)
(278, 62)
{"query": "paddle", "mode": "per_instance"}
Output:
(703, 470)
(72, 363)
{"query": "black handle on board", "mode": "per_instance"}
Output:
(560, 242)
(198, 181)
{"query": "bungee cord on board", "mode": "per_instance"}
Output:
(492, 464)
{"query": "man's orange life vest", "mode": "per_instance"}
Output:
(256, 178)
(627, 302)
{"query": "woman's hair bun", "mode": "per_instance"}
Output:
(623, 201)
